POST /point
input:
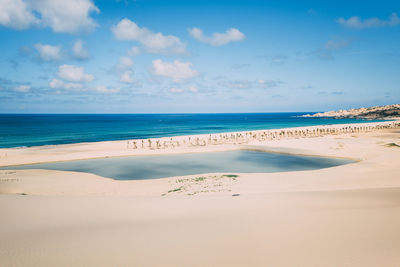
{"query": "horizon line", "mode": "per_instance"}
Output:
(157, 113)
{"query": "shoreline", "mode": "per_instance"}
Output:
(101, 149)
(362, 121)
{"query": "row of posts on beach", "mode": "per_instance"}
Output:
(255, 136)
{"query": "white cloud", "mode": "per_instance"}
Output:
(155, 43)
(74, 74)
(16, 14)
(70, 16)
(127, 77)
(104, 89)
(133, 51)
(124, 70)
(48, 52)
(22, 88)
(58, 84)
(357, 23)
(79, 51)
(177, 70)
(125, 63)
(217, 39)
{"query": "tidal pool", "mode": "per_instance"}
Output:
(161, 166)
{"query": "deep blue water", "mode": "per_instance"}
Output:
(161, 166)
(18, 130)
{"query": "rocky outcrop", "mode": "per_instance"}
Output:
(373, 113)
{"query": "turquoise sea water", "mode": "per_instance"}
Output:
(17, 130)
(151, 167)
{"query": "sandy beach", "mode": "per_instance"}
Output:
(342, 216)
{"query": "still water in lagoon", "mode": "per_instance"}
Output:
(161, 166)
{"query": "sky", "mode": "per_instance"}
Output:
(148, 56)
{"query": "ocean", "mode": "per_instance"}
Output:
(21, 130)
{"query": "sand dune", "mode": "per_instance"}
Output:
(341, 216)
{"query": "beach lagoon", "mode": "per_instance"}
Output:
(162, 166)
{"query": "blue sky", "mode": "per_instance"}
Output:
(85, 56)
